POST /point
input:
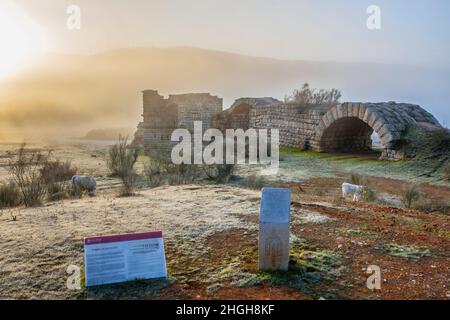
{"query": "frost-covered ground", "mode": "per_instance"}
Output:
(211, 234)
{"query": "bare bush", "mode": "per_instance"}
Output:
(257, 182)
(159, 172)
(154, 171)
(58, 171)
(410, 195)
(307, 96)
(219, 172)
(254, 182)
(182, 174)
(25, 170)
(369, 193)
(121, 160)
(57, 175)
(9, 195)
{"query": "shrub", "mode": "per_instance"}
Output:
(356, 178)
(433, 205)
(158, 172)
(154, 171)
(447, 171)
(369, 193)
(410, 195)
(121, 160)
(57, 171)
(128, 183)
(307, 96)
(182, 174)
(56, 175)
(25, 170)
(254, 182)
(9, 195)
(219, 172)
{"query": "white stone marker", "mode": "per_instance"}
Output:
(274, 219)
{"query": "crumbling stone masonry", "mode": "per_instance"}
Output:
(346, 127)
(162, 116)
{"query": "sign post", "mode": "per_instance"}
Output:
(124, 257)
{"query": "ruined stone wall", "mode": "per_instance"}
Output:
(296, 124)
(233, 118)
(196, 107)
(160, 117)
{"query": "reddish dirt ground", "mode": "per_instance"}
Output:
(426, 278)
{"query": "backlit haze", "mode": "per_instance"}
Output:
(57, 81)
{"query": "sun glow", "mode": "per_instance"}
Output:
(21, 39)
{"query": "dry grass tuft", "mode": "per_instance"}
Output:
(9, 195)
(410, 195)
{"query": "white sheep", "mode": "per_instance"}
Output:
(352, 189)
(81, 183)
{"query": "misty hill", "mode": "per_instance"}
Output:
(82, 92)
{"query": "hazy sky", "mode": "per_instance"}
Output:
(412, 31)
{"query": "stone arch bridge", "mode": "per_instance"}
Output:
(346, 127)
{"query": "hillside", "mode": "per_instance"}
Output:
(84, 92)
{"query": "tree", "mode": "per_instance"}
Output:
(307, 96)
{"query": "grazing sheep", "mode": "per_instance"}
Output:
(349, 189)
(81, 183)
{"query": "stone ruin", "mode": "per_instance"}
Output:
(162, 116)
(346, 127)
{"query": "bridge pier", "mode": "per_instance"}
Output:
(392, 155)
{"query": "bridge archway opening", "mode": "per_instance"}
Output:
(350, 135)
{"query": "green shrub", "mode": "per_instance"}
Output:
(369, 194)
